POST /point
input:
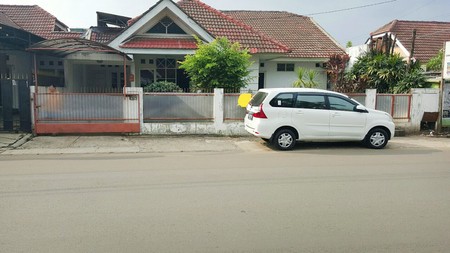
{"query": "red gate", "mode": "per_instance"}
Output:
(66, 113)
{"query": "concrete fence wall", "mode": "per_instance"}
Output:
(423, 100)
(217, 126)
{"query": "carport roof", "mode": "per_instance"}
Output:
(65, 47)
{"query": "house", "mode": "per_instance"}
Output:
(419, 40)
(121, 51)
(158, 39)
(24, 25)
(162, 36)
(20, 27)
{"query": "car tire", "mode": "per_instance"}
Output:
(284, 139)
(377, 138)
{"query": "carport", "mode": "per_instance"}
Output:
(90, 101)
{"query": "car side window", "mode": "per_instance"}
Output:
(340, 104)
(310, 102)
(283, 100)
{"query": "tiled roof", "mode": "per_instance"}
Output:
(430, 36)
(104, 34)
(36, 20)
(300, 33)
(219, 24)
(5, 20)
(160, 43)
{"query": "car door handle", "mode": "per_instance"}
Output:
(336, 114)
(299, 112)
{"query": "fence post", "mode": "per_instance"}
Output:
(219, 109)
(371, 98)
(139, 105)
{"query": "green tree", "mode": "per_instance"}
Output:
(386, 73)
(219, 64)
(435, 63)
(349, 44)
(305, 78)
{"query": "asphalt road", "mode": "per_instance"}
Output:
(318, 198)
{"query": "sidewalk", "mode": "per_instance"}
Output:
(129, 144)
(16, 144)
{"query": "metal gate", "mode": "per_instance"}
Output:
(63, 112)
(15, 107)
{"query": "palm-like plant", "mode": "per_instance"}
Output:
(305, 78)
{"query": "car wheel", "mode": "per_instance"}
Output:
(284, 139)
(377, 138)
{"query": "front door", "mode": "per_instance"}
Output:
(345, 122)
(261, 80)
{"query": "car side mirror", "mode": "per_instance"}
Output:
(360, 108)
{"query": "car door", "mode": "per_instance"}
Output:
(345, 122)
(311, 117)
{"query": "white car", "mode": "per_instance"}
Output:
(283, 116)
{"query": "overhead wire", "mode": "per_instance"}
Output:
(351, 8)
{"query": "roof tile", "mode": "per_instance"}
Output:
(37, 21)
(161, 43)
(220, 24)
(430, 36)
(299, 33)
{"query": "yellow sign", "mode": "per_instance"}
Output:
(244, 99)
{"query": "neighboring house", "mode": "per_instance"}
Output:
(20, 27)
(399, 36)
(24, 25)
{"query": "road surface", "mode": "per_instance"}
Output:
(317, 198)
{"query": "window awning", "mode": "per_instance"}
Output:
(64, 47)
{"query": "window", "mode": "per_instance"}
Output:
(285, 67)
(167, 26)
(341, 104)
(283, 100)
(142, 61)
(146, 77)
(166, 70)
(310, 102)
(258, 98)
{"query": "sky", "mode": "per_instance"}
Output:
(352, 24)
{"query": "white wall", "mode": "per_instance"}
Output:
(280, 79)
(446, 66)
(423, 100)
(254, 73)
(355, 52)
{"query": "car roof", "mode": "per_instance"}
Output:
(305, 90)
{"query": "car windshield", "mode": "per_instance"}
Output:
(258, 98)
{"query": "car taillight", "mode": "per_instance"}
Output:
(260, 114)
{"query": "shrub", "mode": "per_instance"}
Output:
(162, 86)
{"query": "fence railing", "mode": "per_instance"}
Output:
(398, 105)
(178, 106)
(232, 111)
(86, 107)
(360, 97)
